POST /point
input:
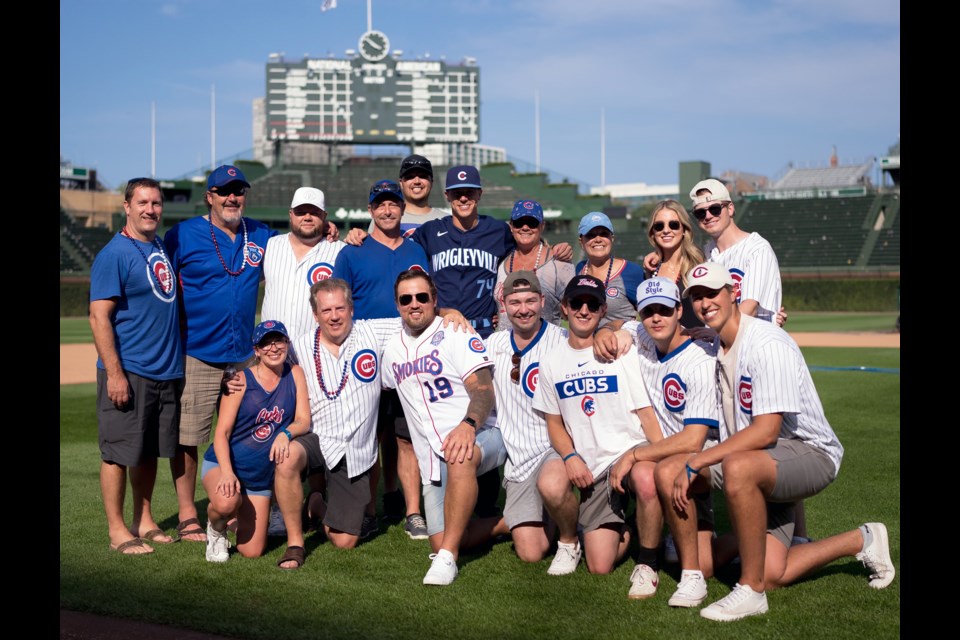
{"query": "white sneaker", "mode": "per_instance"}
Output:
(742, 602)
(644, 582)
(276, 527)
(691, 592)
(443, 570)
(217, 545)
(875, 555)
(566, 559)
(670, 550)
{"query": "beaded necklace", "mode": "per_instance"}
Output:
(163, 256)
(216, 246)
(586, 266)
(536, 262)
(319, 366)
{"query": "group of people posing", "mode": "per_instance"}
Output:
(430, 350)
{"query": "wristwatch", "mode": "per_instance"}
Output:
(470, 421)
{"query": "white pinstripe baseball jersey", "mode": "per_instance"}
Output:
(347, 423)
(524, 430)
(771, 376)
(286, 296)
(428, 373)
(682, 384)
(597, 401)
(755, 271)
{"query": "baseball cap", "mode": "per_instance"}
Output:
(415, 161)
(385, 189)
(462, 177)
(527, 209)
(718, 192)
(267, 327)
(710, 275)
(657, 291)
(308, 195)
(592, 220)
(532, 284)
(224, 175)
(583, 285)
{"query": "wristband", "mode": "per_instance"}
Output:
(470, 421)
(570, 455)
(286, 432)
(691, 471)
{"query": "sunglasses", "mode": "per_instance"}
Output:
(422, 297)
(318, 213)
(273, 345)
(515, 372)
(713, 210)
(385, 187)
(592, 304)
(659, 226)
(657, 309)
(602, 233)
(230, 190)
(528, 221)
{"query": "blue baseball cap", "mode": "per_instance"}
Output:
(463, 177)
(385, 189)
(527, 209)
(267, 327)
(224, 175)
(593, 220)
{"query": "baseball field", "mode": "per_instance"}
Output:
(374, 591)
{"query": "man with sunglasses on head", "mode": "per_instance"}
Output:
(218, 259)
(533, 474)
(445, 384)
(370, 269)
(597, 414)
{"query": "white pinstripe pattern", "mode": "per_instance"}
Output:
(411, 365)
(524, 430)
(286, 295)
(754, 258)
(694, 365)
(771, 365)
(347, 425)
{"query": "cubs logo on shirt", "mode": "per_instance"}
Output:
(253, 254)
(262, 433)
(318, 272)
(737, 276)
(476, 345)
(364, 365)
(612, 292)
(745, 395)
(530, 378)
(588, 406)
(674, 393)
(163, 278)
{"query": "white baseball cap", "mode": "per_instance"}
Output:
(710, 275)
(657, 291)
(718, 192)
(308, 195)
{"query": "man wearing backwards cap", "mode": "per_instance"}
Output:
(218, 259)
(295, 260)
(416, 180)
(681, 380)
(596, 414)
(775, 449)
(533, 474)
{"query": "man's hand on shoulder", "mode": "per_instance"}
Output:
(356, 237)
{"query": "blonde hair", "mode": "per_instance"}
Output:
(690, 254)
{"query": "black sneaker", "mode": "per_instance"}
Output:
(369, 528)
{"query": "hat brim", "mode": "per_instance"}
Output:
(664, 300)
(463, 185)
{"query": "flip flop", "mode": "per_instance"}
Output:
(130, 544)
(294, 553)
(157, 536)
(190, 527)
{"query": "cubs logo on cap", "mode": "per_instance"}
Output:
(266, 327)
(224, 175)
(527, 209)
(710, 275)
(463, 177)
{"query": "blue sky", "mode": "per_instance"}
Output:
(746, 85)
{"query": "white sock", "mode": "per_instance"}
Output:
(573, 546)
(686, 573)
(443, 553)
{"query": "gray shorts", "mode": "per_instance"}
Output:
(601, 505)
(524, 503)
(347, 497)
(146, 428)
(200, 397)
(390, 418)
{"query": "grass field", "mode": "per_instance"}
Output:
(375, 591)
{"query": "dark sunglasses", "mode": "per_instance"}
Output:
(515, 372)
(658, 309)
(713, 210)
(528, 221)
(592, 304)
(308, 212)
(385, 187)
(230, 190)
(659, 226)
(602, 233)
(422, 297)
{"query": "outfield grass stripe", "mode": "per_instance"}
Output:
(857, 368)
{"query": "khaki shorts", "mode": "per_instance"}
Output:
(200, 398)
(524, 503)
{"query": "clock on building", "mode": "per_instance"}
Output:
(374, 46)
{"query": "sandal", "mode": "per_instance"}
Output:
(132, 543)
(190, 527)
(156, 536)
(294, 554)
